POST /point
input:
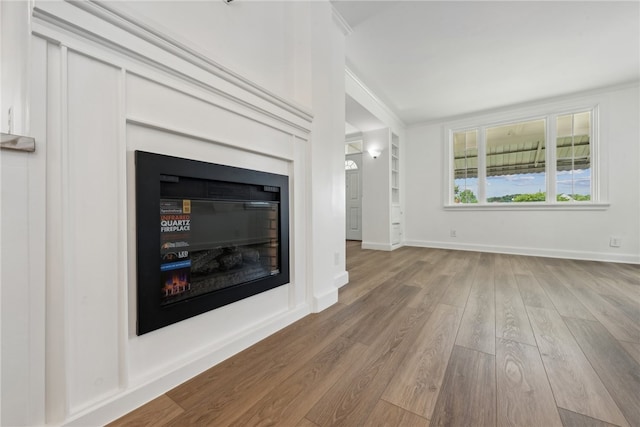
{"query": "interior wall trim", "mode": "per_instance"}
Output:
(510, 250)
(181, 50)
(340, 22)
(341, 279)
(226, 84)
(188, 134)
(326, 300)
(115, 406)
(289, 128)
(376, 246)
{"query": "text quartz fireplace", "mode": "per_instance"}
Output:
(207, 235)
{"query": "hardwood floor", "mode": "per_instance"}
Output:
(437, 337)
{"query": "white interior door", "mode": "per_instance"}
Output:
(353, 174)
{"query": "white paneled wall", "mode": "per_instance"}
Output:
(90, 184)
(151, 104)
(112, 79)
(22, 224)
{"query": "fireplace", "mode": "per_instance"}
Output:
(207, 235)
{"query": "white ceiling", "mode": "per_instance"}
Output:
(430, 60)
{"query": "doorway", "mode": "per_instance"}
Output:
(353, 195)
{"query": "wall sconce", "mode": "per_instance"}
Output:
(374, 152)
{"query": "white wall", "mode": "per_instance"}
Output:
(15, 65)
(22, 229)
(376, 220)
(580, 234)
(249, 39)
(261, 89)
(327, 238)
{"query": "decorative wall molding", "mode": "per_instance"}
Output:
(74, 41)
(266, 118)
(108, 410)
(138, 28)
(147, 90)
(163, 128)
(57, 27)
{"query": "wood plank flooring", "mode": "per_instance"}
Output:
(425, 337)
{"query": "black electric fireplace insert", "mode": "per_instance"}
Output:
(207, 235)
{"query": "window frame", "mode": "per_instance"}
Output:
(548, 113)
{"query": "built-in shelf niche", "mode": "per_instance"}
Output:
(396, 213)
(395, 170)
(382, 191)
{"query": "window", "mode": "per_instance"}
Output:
(353, 147)
(465, 151)
(350, 165)
(573, 154)
(515, 162)
(543, 160)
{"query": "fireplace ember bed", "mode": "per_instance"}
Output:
(207, 235)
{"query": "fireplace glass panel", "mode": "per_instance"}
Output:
(208, 245)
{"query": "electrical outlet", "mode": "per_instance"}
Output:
(336, 258)
(615, 242)
(10, 120)
(453, 233)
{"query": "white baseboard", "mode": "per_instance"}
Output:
(126, 401)
(381, 246)
(341, 279)
(549, 253)
(376, 246)
(320, 302)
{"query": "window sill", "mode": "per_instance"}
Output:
(528, 206)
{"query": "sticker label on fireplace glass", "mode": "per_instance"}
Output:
(175, 262)
(210, 245)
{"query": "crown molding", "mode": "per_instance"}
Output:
(340, 22)
(351, 75)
